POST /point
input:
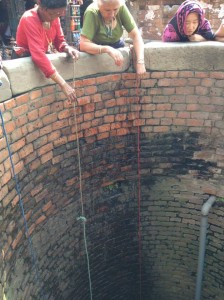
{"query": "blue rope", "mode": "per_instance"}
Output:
(32, 252)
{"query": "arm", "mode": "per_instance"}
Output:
(219, 35)
(36, 44)
(88, 46)
(139, 50)
(66, 88)
(196, 38)
(169, 34)
(60, 42)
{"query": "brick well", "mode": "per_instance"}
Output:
(178, 117)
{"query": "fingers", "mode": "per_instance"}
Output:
(69, 92)
(72, 96)
(117, 56)
(73, 53)
(118, 61)
(140, 70)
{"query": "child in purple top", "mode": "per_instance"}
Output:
(188, 24)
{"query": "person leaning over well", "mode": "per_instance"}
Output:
(38, 32)
(103, 29)
(188, 24)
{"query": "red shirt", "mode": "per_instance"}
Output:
(32, 36)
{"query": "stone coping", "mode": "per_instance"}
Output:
(21, 75)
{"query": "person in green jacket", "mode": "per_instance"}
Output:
(102, 31)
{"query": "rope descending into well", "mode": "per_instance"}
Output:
(139, 212)
(82, 217)
(17, 186)
(138, 84)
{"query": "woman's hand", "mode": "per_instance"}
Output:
(69, 92)
(140, 69)
(115, 54)
(196, 38)
(66, 88)
(88, 46)
(72, 52)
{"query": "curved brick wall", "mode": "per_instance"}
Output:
(180, 114)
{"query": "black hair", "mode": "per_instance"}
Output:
(51, 4)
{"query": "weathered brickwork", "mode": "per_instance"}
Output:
(180, 118)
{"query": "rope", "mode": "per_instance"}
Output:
(82, 218)
(31, 248)
(138, 83)
(139, 214)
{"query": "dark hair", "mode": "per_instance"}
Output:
(53, 3)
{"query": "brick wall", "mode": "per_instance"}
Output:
(180, 114)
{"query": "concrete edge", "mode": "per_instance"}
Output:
(21, 75)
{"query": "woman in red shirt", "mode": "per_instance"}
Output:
(39, 30)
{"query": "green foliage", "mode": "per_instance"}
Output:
(220, 199)
(111, 187)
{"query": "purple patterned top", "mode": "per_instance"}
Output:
(175, 29)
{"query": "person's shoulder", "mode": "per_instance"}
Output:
(123, 9)
(30, 14)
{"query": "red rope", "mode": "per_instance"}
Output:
(138, 83)
(139, 195)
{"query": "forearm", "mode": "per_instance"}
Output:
(57, 78)
(196, 38)
(88, 46)
(138, 46)
(92, 48)
(139, 52)
(220, 31)
(68, 90)
(219, 38)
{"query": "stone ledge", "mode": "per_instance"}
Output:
(21, 75)
(203, 56)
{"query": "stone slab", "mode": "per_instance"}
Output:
(21, 75)
(203, 56)
(24, 75)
